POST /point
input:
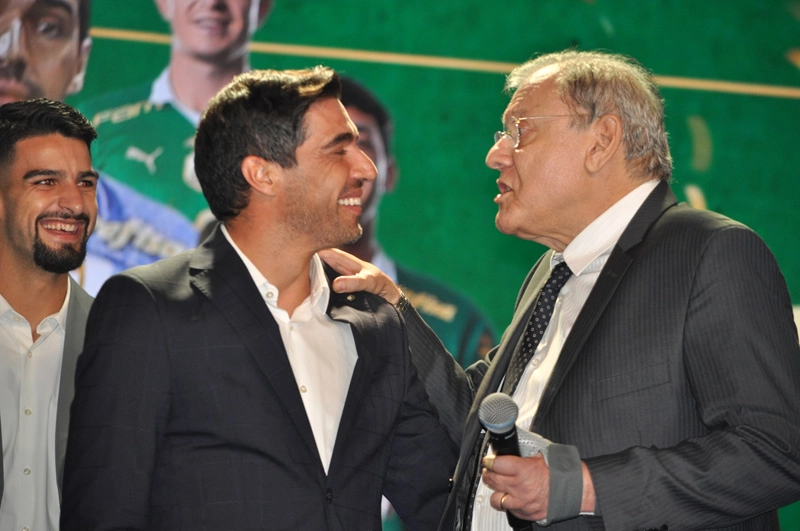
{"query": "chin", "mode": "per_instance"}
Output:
(502, 226)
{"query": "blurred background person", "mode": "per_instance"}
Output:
(460, 324)
(146, 131)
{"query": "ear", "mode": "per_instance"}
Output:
(76, 84)
(392, 174)
(260, 174)
(606, 141)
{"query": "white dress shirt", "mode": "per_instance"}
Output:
(321, 351)
(585, 255)
(29, 383)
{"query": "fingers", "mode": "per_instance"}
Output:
(499, 501)
(342, 262)
(359, 276)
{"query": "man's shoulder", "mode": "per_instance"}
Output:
(160, 275)
(683, 221)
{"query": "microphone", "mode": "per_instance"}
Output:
(498, 414)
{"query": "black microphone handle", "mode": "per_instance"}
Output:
(508, 444)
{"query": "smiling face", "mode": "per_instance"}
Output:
(323, 192)
(41, 54)
(212, 30)
(542, 181)
(370, 142)
(48, 203)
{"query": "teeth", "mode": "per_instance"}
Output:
(64, 227)
(350, 201)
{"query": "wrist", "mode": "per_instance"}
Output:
(402, 303)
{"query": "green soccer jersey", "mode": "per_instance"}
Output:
(147, 146)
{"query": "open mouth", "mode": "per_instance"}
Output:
(61, 226)
(350, 201)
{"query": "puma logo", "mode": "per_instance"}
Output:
(149, 160)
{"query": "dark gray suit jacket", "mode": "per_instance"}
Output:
(187, 414)
(679, 383)
(77, 312)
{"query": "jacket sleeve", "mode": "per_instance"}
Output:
(742, 363)
(451, 389)
(119, 411)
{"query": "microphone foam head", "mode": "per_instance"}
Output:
(498, 412)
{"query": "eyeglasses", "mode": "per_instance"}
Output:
(515, 134)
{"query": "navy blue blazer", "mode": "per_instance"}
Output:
(187, 414)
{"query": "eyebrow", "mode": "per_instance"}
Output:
(341, 138)
(63, 4)
(37, 173)
(70, 9)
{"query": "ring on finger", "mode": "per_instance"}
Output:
(503, 501)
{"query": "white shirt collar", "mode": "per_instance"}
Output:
(58, 319)
(604, 232)
(162, 93)
(320, 290)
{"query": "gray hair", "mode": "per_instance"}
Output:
(595, 84)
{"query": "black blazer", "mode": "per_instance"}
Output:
(679, 383)
(187, 414)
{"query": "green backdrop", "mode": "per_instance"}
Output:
(728, 68)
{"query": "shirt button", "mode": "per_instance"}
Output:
(27, 471)
(303, 389)
(28, 412)
(30, 354)
(26, 529)
(535, 362)
(479, 499)
(270, 295)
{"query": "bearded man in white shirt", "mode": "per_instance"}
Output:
(48, 209)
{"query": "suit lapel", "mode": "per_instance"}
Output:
(499, 364)
(219, 274)
(354, 309)
(77, 312)
(660, 199)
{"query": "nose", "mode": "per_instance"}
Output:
(499, 155)
(71, 198)
(363, 168)
(11, 41)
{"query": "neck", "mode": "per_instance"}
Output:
(196, 81)
(285, 262)
(34, 295)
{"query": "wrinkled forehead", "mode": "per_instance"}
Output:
(537, 95)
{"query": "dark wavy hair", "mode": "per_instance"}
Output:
(258, 113)
(25, 119)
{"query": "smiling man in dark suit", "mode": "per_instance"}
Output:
(228, 387)
(668, 373)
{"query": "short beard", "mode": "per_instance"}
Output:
(354, 240)
(61, 260)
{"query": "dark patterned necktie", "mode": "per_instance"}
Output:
(536, 326)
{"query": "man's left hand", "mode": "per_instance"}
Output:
(521, 483)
